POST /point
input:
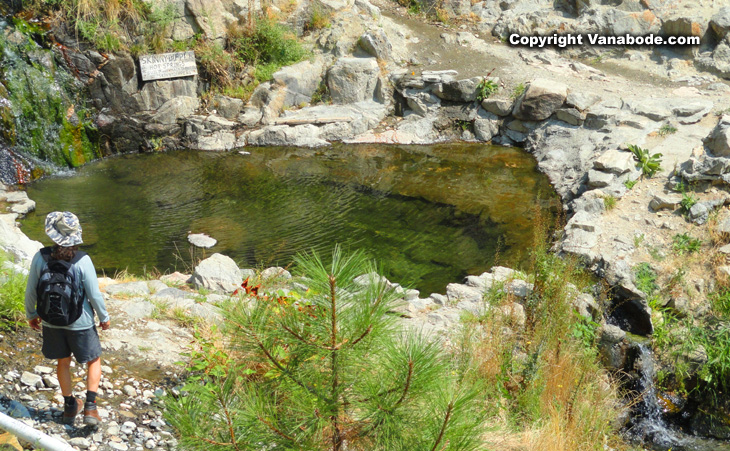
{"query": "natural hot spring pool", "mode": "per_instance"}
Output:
(429, 214)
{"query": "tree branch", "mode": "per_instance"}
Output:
(277, 431)
(302, 339)
(279, 366)
(405, 389)
(213, 442)
(364, 334)
(228, 420)
(334, 418)
(443, 426)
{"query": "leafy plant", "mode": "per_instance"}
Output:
(486, 88)
(688, 201)
(720, 301)
(12, 292)
(327, 371)
(630, 183)
(667, 129)
(319, 18)
(649, 164)
(267, 45)
(321, 94)
(609, 202)
(517, 91)
(684, 243)
(638, 239)
(463, 125)
(645, 278)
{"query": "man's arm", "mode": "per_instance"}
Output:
(91, 287)
(31, 295)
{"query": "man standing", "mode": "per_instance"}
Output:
(58, 274)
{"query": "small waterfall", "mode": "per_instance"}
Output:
(649, 425)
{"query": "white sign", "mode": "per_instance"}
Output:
(167, 65)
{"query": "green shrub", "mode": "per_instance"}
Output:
(267, 43)
(326, 369)
(649, 164)
(630, 183)
(12, 292)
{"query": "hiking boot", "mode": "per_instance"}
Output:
(91, 415)
(70, 412)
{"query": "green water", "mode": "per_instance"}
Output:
(429, 214)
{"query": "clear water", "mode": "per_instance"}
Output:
(429, 214)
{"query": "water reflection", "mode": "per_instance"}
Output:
(429, 214)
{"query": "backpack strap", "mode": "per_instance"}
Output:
(46, 253)
(78, 256)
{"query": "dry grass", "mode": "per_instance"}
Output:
(548, 390)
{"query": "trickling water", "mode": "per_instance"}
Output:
(649, 425)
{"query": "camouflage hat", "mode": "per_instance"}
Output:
(63, 228)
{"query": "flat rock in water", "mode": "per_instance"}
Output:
(201, 240)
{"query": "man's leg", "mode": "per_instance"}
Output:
(93, 375)
(71, 405)
(63, 371)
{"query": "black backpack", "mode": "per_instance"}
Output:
(60, 299)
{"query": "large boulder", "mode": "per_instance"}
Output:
(154, 94)
(218, 273)
(14, 241)
(211, 17)
(175, 109)
(720, 23)
(486, 125)
(718, 142)
(306, 135)
(228, 107)
(377, 44)
(458, 90)
(300, 81)
(541, 98)
(353, 80)
(613, 346)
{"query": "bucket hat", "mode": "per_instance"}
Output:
(63, 228)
